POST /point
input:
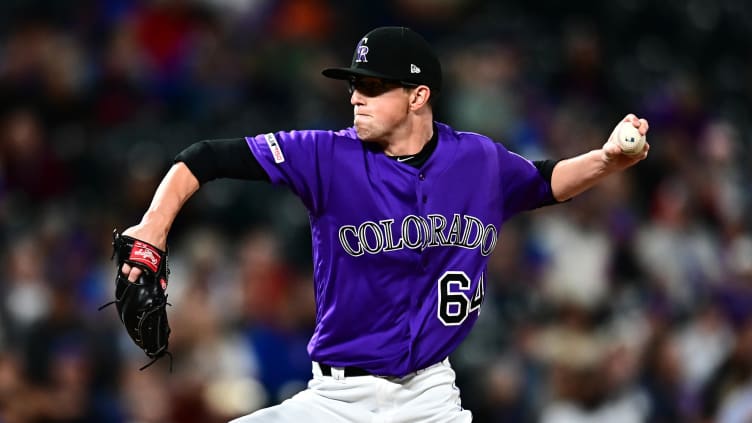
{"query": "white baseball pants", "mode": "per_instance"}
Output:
(428, 395)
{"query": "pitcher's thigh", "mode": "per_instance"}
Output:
(438, 405)
(306, 407)
(433, 397)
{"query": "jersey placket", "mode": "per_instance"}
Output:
(421, 195)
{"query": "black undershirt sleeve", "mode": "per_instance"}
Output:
(223, 158)
(546, 169)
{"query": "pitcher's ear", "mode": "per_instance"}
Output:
(419, 96)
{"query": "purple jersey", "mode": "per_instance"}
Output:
(399, 253)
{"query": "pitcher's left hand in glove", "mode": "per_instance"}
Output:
(141, 305)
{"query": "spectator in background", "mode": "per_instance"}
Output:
(29, 164)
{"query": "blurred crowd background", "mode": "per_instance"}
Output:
(631, 303)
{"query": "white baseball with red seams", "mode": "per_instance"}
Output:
(629, 138)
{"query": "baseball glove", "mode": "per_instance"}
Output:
(141, 305)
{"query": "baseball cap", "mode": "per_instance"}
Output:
(393, 53)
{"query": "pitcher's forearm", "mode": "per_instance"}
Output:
(578, 174)
(176, 188)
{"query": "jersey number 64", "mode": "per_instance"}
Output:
(454, 304)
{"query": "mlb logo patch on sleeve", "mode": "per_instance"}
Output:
(275, 148)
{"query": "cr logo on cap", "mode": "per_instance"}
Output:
(362, 51)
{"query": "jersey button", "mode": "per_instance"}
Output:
(425, 199)
(422, 177)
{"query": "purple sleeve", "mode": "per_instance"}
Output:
(297, 159)
(523, 186)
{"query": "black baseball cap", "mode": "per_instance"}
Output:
(393, 53)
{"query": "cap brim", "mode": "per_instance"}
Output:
(347, 73)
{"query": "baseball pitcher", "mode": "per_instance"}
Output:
(404, 213)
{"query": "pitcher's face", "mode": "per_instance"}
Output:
(379, 107)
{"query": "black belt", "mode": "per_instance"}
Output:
(349, 371)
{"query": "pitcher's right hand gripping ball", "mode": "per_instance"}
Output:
(141, 305)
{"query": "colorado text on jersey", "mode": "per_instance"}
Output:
(418, 232)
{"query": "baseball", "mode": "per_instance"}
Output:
(629, 138)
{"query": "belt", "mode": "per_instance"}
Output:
(349, 371)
